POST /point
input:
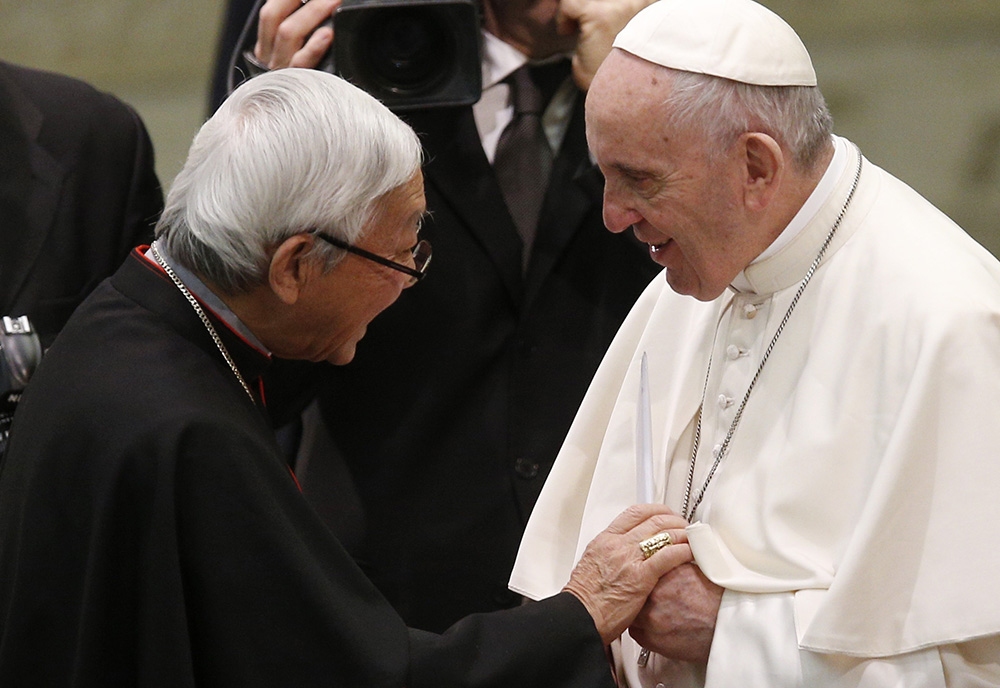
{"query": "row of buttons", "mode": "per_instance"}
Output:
(732, 353)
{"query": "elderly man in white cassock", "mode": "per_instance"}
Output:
(822, 353)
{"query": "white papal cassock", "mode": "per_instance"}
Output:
(853, 519)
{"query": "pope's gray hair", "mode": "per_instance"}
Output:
(289, 151)
(722, 110)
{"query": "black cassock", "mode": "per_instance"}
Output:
(151, 534)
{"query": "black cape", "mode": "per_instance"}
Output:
(151, 534)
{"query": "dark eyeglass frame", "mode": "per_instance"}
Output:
(420, 249)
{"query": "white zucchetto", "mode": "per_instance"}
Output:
(734, 39)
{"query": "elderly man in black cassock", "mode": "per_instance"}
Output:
(151, 532)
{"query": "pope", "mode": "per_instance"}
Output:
(824, 382)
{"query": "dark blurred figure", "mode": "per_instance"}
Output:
(237, 12)
(77, 191)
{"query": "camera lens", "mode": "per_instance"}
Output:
(408, 51)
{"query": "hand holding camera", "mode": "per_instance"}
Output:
(287, 33)
(596, 23)
(399, 62)
(406, 53)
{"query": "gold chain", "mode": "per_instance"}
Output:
(204, 319)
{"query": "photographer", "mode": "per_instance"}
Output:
(527, 293)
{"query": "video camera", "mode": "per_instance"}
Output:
(406, 53)
(20, 352)
(409, 53)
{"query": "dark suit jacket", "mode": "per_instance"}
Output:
(461, 393)
(151, 534)
(77, 191)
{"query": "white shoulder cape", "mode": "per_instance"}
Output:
(865, 475)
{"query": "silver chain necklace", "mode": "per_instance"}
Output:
(689, 513)
(204, 319)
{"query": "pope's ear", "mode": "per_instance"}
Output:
(291, 267)
(765, 165)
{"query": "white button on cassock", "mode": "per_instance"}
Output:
(724, 401)
(750, 311)
(733, 352)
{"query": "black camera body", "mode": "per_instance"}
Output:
(409, 53)
(20, 353)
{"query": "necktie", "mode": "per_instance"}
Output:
(523, 158)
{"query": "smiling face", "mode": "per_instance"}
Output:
(660, 181)
(339, 304)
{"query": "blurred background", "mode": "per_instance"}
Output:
(915, 83)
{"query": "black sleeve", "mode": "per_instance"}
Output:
(267, 568)
(272, 597)
(551, 643)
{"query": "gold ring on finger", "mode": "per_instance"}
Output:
(651, 546)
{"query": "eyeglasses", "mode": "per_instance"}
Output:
(421, 256)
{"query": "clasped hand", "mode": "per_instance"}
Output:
(613, 578)
(666, 602)
(678, 618)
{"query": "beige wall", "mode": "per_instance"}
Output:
(916, 83)
(154, 54)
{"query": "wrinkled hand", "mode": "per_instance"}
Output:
(597, 22)
(287, 35)
(612, 579)
(678, 619)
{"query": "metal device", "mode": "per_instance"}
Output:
(20, 352)
(409, 53)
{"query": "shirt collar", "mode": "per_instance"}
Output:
(806, 213)
(500, 59)
(208, 298)
(494, 110)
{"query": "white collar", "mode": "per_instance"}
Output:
(500, 59)
(807, 212)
